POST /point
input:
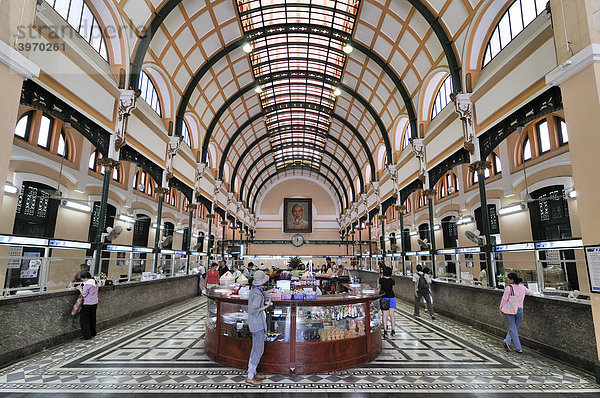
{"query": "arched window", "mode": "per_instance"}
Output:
(368, 173)
(94, 166)
(442, 98)
(496, 168)
(149, 93)
(407, 136)
(142, 182)
(421, 199)
(447, 185)
(563, 135)
(50, 134)
(526, 149)
(24, 126)
(45, 132)
(543, 136)
(185, 133)
(80, 17)
(408, 206)
(520, 14)
(171, 197)
(63, 148)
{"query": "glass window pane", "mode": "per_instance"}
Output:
(527, 150)
(495, 43)
(475, 178)
(92, 161)
(564, 136)
(87, 19)
(540, 6)
(115, 175)
(75, 13)
(96, 37)
(61, 145)
(516, 19)
(62, 7)
(498, 164)
(504, 29)
(544, 137)
(529, 13)
(21, 129)
(44, 135)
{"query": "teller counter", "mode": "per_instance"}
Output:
(330, 333)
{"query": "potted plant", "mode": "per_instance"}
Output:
(294, 262)
(501, 278)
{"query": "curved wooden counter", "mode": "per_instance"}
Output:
(295, 356)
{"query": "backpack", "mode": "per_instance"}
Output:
(422, 284)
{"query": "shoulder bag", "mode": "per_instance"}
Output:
(511, 306)
(77, 306)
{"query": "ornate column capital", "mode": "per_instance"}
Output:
(162, 191)
(108, 164)
(210, 216)
(192, 206)
(480, 166)
(401, 208)
(382, 216)
(429, 193)
(464, 109)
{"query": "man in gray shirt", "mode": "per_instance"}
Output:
(257, 322)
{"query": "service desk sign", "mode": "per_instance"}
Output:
(592, 255)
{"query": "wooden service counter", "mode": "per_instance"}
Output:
(330, 333)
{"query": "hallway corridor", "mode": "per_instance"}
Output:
(163, 353)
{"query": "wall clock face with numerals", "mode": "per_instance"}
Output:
(297, 240)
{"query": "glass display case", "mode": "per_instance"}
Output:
(211, 315)
(375, 321)
(324, 334)
(234, 322)
(328, 323)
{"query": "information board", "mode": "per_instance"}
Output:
(592, 255)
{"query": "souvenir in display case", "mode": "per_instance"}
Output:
(328, 323)
(375, 318)
(211, 314)
(234, 322)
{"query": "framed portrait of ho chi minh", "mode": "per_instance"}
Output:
(297, 215)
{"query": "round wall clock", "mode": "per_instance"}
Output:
(297, 240)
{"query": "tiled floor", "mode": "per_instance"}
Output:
(164, 353)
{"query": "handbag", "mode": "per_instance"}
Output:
(77, 306)
(384, 304)
(511, 306)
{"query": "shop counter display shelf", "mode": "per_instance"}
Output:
(323, 335)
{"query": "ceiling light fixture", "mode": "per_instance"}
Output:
(247, 48)
(464, 220)
(9, 188)
(76, 206)
(337, 92)
(572, 194)
(512, 209)
(258, 90)
(348, 48)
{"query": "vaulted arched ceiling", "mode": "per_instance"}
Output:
(197, 45)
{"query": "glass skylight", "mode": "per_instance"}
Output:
(297, 59)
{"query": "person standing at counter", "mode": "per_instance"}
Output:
(515, 289)
(212, 276)
(87, 317)
(386, 284)
(421, 282)
(257, 323)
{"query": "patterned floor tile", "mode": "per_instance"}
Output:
(164, 353)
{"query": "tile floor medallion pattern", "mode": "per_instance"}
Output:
(164, 353)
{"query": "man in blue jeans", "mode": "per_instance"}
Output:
(257, 322)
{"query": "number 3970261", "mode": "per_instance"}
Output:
(40, 47)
